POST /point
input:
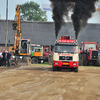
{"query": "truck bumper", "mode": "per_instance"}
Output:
(69, 64)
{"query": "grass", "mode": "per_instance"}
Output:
(45, 62)
(90, 66)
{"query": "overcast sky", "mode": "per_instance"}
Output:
(12, 5)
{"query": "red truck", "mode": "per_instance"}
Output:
(88, 54)
(65, 55)
(46, 52)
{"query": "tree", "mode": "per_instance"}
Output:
(31, 11)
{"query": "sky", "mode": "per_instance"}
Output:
(12, 5)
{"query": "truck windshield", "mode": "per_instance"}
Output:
(90, 46)
(65, 49)
(36, 49)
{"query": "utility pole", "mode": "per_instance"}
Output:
(6, 25)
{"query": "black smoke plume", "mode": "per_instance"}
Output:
(82, 11)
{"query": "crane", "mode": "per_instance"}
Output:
(22, 47)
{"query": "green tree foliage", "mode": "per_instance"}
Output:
(31, 11)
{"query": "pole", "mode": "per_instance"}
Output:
(6, 25)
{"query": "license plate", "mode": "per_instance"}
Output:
(65, 64)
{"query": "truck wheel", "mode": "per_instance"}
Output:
(76, 70)
(34, 60)
(99, 60)
(84, 60)
(80, 60)
(96, 63)
(54, 69)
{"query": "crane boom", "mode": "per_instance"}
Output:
(17, 28)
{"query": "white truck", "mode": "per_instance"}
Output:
(65, 54)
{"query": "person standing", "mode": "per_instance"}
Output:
(1, 59)
(8, 58)
(4, 57)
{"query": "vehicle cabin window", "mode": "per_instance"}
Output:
(66, 49)
(37, 50)
(90, 46)
(24, 44)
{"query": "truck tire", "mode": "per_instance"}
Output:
(34, 60)
(54, 69)
(99, 59)
(96, 63)
(80, 60)
(84, 60)
(76, 70)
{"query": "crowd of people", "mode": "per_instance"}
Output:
(5, 58)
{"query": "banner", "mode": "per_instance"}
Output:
(98, 7)
(46, 7)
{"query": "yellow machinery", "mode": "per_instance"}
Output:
(22, 47)
(16, 27)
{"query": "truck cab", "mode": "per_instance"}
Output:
(65, 54)
(46, 52)
(36, 54)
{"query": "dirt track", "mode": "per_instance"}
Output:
(40, 83)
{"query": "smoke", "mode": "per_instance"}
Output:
(60, 9)
(82, 11)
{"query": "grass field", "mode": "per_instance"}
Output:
(91, 66)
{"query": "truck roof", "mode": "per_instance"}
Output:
(90, 43)
(66, 42)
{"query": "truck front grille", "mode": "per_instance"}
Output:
(94, 55)
(65, 58)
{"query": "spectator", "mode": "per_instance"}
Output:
(1, 59)
(4, 58)
(8, 58)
